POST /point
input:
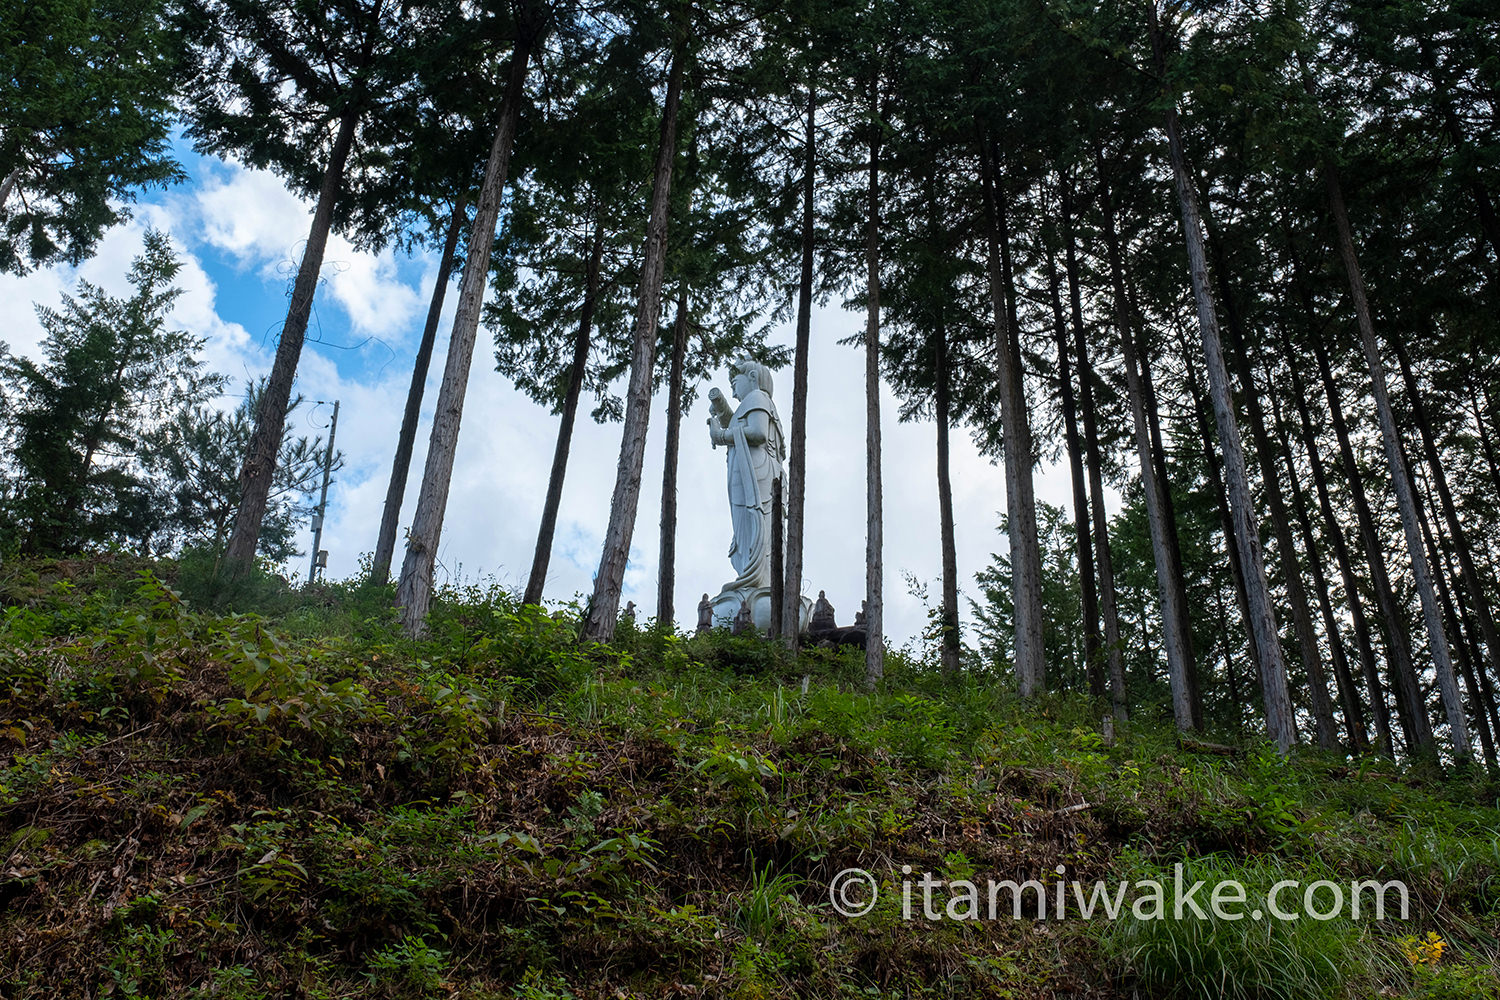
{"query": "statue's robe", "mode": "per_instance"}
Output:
(751, 471)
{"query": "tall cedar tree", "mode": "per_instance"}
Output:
(314, 91)
(532, 21)
(604, 604)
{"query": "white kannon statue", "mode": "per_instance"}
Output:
(756, 444)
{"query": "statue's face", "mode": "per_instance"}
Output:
(744, 384)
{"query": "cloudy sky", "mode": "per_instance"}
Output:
(240, 232)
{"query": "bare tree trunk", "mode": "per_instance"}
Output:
(7, 185)
(791, 609)
(536, 581)
(1281, 724)
(1409, 707)
(1169, 522)
(1291, 571)
(1334, 530)
(1093, 460)
(1478, 599)
(1437, 641)
(1485, 702)
(1174, 615)
(1484, 432)
(385, 542)
(1335, 533)
(604, 605)
(874, 528)
(666, 571)
(1461, 647)
(778, 556)
(270, 421)
(414, 591)
(1092, 639)
(1354, 720)
(1025, 550)
(951, 639)
(1221, 498)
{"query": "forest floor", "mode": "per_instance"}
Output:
(303, 802)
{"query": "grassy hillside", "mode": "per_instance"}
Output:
(301, 802)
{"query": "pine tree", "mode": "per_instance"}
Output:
(113, 371)
(84, 122)
(532, 23)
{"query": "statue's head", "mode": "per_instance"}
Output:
(756, 375)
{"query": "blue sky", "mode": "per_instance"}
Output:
(240, 235)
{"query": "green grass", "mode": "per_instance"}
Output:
(271, 793)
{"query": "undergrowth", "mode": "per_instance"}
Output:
(277, 793)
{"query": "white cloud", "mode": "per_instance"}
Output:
(373, 295)
(250, 215)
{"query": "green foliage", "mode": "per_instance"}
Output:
(1063, 621)
(196, 457)
(411, 967)
(1245, 959)
(112, 372)
(499, 810)
(65, 166)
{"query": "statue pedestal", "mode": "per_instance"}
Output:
(727, 605)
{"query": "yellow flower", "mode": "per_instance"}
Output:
(1423, 951)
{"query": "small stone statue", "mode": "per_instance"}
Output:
(859, 616)
(744, 621)
(822, 615)
(705, 615)
(629, 613)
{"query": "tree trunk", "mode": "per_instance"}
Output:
(1221, 498)
(1486, 705)
(1354, 720)
(791, 609)
(536, 582)
(1093, 460)
(1484, 433)
(1092, 640)
(874, 528)
(1173, 614)
(949, 615)
(1025, 550)
(414, 591)
(1335, 531)
(604, 605)
(270, 421)
(1291, 570)
(666, 571)
(1400, 481)
(1478, 598)
(1169, 522)
(385, 542)
(1281, 724)
(1409, 707)
(7, 185)
(1464, 652)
